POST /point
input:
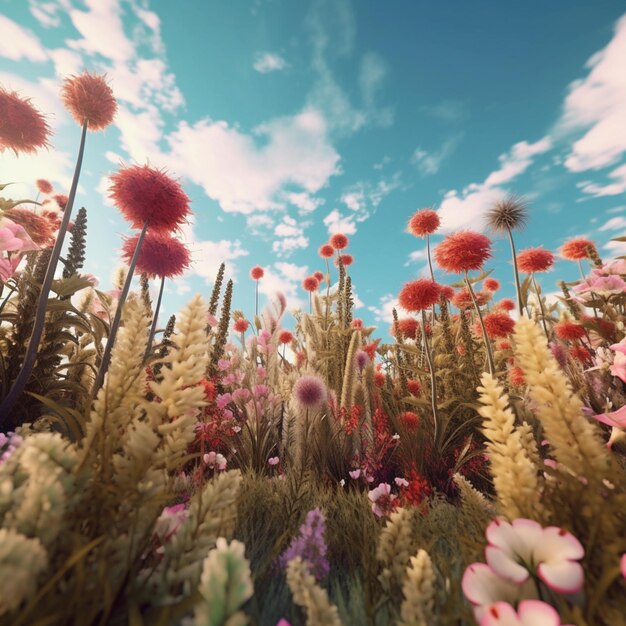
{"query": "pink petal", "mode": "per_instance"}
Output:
(619, 347)
(557, 544)
(503, 565)
(537, 613)
(476, 583)
(563, 577)
(500, 614)
(622, 563)
(616, 418)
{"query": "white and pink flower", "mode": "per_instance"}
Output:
(382, 499)
(529, 613)
(618, 368)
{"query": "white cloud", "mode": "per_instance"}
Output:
(364, 197)
(54, 166)
(266, 62)
(615, 223)
(284, 278)
(305, 202)
(517, 161)
(598, 103)
(384, 311)
(615, 248)
(46, 13)
(18, 42)
(338, 223)
(430, 163)
(612, 189)
(291, 234)
(66, 62)
(416, 256)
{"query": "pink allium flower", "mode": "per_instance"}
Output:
(618, 368)
(160, 255)
(285, 337)
(310, 392)
(463, 251)
(491, 284)
(357, 323)
(382, 499)
(310, 283)
(338, 241)
(257, 272)
(89, 99)
(529, 613)
(424, 222)
(44, 186)
(61, 199)
(534, 260)
(419, 295)
(241, 325)
(576, 249)
(552, 553)
(326, 251)
(145, 194)
(14, 238)
(346, 260)
(22, 127)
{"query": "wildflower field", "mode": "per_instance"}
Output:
(266, 467)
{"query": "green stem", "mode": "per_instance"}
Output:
(492, 368)
(433, 382)
(155, 317)
(518, 288)
(256, 299)
(40, 318)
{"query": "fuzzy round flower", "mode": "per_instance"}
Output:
(357, 323)
(569, 331)
(285, 337)
(408, 328)
(338, 241)
(147, 195)
(319, 277)
(22, 127)
(409, 419)
(463, 251)
(241, 325)
(576, 249)
(498, 324)
(414, 387)
(160, 255)
(361, 360)
(310, 392)
(326, 251)
(463, 299)
(419, 294)
(61, 199)
(346, 259)
(447, 292)
(90, 100)
(534, 260)
(581, 354)
(506, 303)
(424, 222)
(44, 186)
(39, 228)
(516, 377)
(310, 283)
(257, 272)
(491, 284)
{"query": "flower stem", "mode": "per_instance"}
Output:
(433, 381)
(40, 318)
(106, 357)
(432, 274)
(518, 289)
(492, 368)
(155, 317)
(256, 298)
(543, 312)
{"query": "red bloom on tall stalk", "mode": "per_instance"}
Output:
(424, 222)
(408, 327)
(40, 229)
(576, 249)
(491, 284)
(160, 255)
(146, 195)
(257, 272)
(414, 387)
(419, 294)
(22, 127)
(241, 325)
(463, 300)
(498, 324)
(310, 284)
(534, 260)
(346, 259)
(285, 337)
(516, 377)
(447, 292)
(89, 100)
(326, 251)
(339, 241)
(44, 186)
(506, 303)
(463, 251)
(409, 419)
(569, 331)
(319, 277)
(61, 199)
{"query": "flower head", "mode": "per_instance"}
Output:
(382, 499)
(90, 100)
(535, 260)
(160, 255)
(39, 228)
(144, 194)
(447, 291)
(310, 391)
(529, 613)
(338, 241)
(491, 284)
(408, 328)
(346, 259)
(310, 283)
(14, 238)
(618, 368)
(498, 324)
(44, 186)
(463, 251)
(257, 272)
(424, 222)
(569, 331)
(326, 251)
(509, 213)
(410, 419)
(506, 303)
(285, 337)
(362, 359)
(414, 387)
(419, 294)
(61, 199)
(241, 325)
(319, 277)
(357, 323)
(576, 249)
(22, 127)
(516, 377)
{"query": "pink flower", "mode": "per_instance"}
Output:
(212, 321)
(273, 461)
(382, 499)
(170, 520)
(618, 368)
(529, 613)
(607, 285)
(354, 474)
(13, 237)
(215, 460)
(524, 545)
(622, 565)
(401, 482)
(8, 266)
(261, 390)
(223, 400)
(618, 266)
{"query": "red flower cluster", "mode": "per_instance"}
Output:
(516, 377)
(419, 295)
(576, 249)
(535, 260)
(498, 324)
(319, 276)
(39, 228)
(408, 328)
(463, 300)
(424, 222)
(257, 272)
(89, 100)
(506, 303)
(357, 323)
(447, 292)
(491, 284)
(409, 419)
(22, 127)
(44, 186)
(160, 255)
(346, 259)
(462, 252)
(581, 354)
(417, 491)
(569, 331)
(414, 387)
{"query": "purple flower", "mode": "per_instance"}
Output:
(8, 445)
(310, 546)
(310, 392)
(362, 359)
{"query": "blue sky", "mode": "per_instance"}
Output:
(287, 121)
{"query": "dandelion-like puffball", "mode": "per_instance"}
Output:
(160, 255)
(310, 283)
(463, 251)
(145, 194)
(447, 292)
(257, 272)
(424, 222)
(498, 324)
(241, 325)
(419, 295)
(22, 127)
(414, 387)
(89, 99)
(44, 186)
(534, 260)
(408, 327)
(310, 392)
(581, 354)
(516, 377)
(409, 419)
(357, 323)
(576, 249)
(339, 241)
(326, 251)
(61, 199)
(491, 284)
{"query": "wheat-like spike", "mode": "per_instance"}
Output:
(349, 373)
(394, 548)
(419, 592)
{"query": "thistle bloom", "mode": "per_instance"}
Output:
(529, 613)
(346, 259)
(522, 546)
(61, 199)
(410, 419)
(569, 331)
(339, 241)
(576, 249)
(310, 284)
(22, 127)
(89, 100)
(326, 251)
(491, 284)
(534, 260)
(506, 303)
(498, 324)
(44, 186)
(257, 272)
(310, 392)
(462, 252)
(447, 292)
(419, 295)
(424, 222)
(414, 387)
(319, 277)
(160, 255)
(241, 325)
(146, 195)
(408, 328)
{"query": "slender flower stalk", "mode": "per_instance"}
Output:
(154, 319)
(518, 287)
(433, 378)
(490, 361)
(540, 300)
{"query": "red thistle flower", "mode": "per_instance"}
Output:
(39, 228)
(310, 391)
(241, 325)
(22, 127)
(516, 377)
(498, 324)
(319, 277)
(409, 419)
(44, 186)
(408, 328)
(462, 252)
(417, 491)
(339, 241)
(414, 387)
(580, 354)
(257, 272)
(210, 392)
(447, 292)
(160, 255)
(424, 222)
(463, 300)
(569, 331)
(90, 100)
(491, 284)
(144, 194)
(326, 251)
(285, 337)
(346, 259)
(506, 303)
(534, 260)
(576, 249)
(357, 323)
(370, 349)
(310, 283)
(419, 294)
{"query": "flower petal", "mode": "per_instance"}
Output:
(537, 613)
(500, 614)
(503, 565)
(562, 577)
(476, 583)
(557, 544)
